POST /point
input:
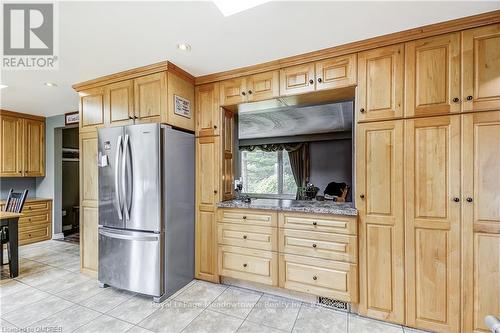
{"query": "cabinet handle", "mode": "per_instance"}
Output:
(311, 81)
(249, 92)
(215, 191)
(320, 80)
(362, 110)
(469, 199)
(315, 223)
(243, 93)
(244, 236)
(456, 199)
(215, 126)
(135, 117)
(456, 100)
(130, 117)
(314, 245)
(244, 217)
(362, 196)
(469, 98)
(315, 277)
(245, 265)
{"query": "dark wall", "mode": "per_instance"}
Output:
(70, 180)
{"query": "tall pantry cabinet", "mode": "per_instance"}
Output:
(428, 180)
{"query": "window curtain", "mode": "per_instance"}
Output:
(274, 147)
(299, 162)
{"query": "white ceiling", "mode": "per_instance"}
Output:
(99, 38)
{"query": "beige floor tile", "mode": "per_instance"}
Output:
(413, 330)
(42, 277)
(11, 286)
(5, 326)
(34, 312)
(211, 321)
(138, 329)
(201, 293)
(65, 282)
(81, 291)
(249, 327)
(358, 324)
(320, 320)
(106, 300)
(276, 312)
(68, 320)
(236, 302)
(21, 299)
(135, 309)
(171, 317)
(105, 324)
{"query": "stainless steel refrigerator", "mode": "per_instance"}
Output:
(146, 209)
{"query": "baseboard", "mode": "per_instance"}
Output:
(58, 236)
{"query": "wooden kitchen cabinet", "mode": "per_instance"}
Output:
(91, 109)
(432, 169)
(481, 218)
(432, 76)
(150, 97)
(297, 79)
(481, 68)
(380, 83)
(379, 182)
(207, 110)
(227, 163)
(250, 88)
(119, 103)
(336, 72)
(233, 91)
(22, 146)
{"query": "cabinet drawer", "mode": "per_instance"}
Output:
(30, 220)
(319, 244)
(248, 264)
(318, 222)
(34, 234)
(334, 279)
(260, 238)
(35, 207)
(247, 217)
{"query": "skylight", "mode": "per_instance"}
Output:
(228, 7)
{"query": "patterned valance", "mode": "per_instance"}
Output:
(289, 147)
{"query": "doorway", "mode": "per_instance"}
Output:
(70, 183)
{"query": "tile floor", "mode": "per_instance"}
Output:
(51, 295)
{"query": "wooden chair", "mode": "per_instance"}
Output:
(15, 202)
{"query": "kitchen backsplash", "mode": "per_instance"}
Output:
(18, 184)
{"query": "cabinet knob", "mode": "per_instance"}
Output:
(362, 110)
(311, 81)
(456, 100)
(469, 199)
(135, 117)
(244, 217)
(314, 245)
(249, 92)
(215, 191)
(469, 98)
(243, 93)
(245, 265)
(130, 117)
(456, 199)
(215, 126)
(320, 80)
(244, 236)
(315, 223)
(315, 277)
(362, 196)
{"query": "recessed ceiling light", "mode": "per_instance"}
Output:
(184, 47)
(230, 7)
(3, 86)
(50, 84)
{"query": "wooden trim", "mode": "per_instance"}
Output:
(134, 73)
(358, 46)
(4, 112)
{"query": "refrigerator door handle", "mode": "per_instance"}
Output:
(125, 176)
(119, 149)
(129, 236)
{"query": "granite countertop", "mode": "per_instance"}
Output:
(304, 206)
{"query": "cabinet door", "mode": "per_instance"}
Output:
(336, 72)
(233, 91)
(381, 83)
(207, 195)
(34, 148)
(119, 103)
(89, 220)
(91, 109)
(297, 79)
(432, 166)
(227, 158)
(263, 86)
(379, 175)
(481, 218)
(150, 93)
(207, 109)
(11, 135)
(481, 68)
(433, 75)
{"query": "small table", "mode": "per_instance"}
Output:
(10, 220)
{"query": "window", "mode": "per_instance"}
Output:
(267, 174)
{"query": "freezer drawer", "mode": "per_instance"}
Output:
(131, 260)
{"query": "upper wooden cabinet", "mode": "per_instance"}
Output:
(481, 68)
(251, 88)
(207, 109)
(433, 76)
(157, 93)
(380, 83)
(22, 146)
(297, 79)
